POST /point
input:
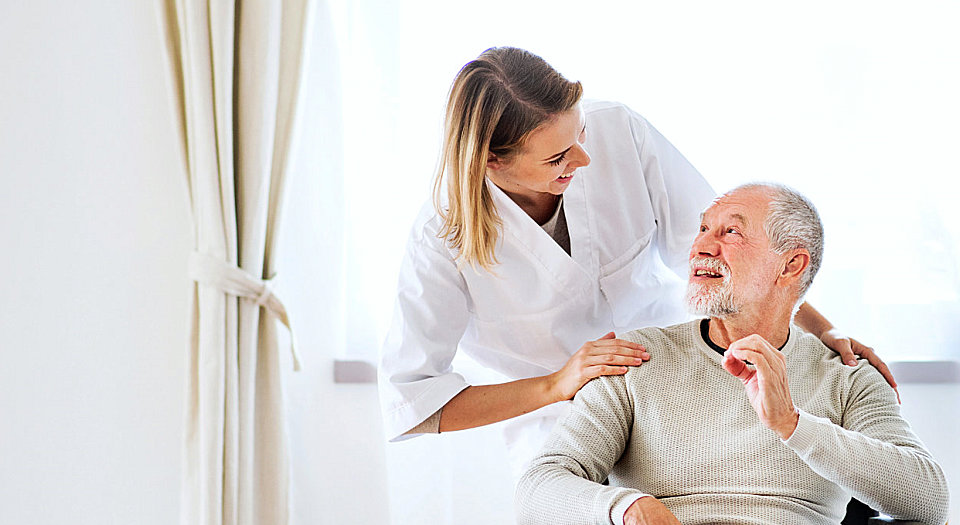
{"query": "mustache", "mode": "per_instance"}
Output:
(714, 265)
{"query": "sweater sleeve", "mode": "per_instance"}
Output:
(874, 455)
(563, 483)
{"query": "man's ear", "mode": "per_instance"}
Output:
(796, 263)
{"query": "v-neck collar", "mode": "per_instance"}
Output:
(582, 265)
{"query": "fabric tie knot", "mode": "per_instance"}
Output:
(231, 279)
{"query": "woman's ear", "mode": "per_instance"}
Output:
(494, 162)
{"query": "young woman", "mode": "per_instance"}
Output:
(533, 246)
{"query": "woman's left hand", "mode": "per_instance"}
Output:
(849, 348)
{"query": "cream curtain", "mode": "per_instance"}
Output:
(237, 65)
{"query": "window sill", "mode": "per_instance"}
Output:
(354, 371)
(906, 372)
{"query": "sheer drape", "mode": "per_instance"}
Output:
(238, 68)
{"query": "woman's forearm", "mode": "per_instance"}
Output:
(476, 406)
(481, 405)
(811, 320)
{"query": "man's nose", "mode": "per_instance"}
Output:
(704, 244)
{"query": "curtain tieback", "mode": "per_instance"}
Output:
(213, 271)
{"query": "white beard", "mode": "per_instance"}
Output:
(709, 300)
(715, 301)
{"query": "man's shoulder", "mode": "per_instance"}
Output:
(810, 352)
(669, 335)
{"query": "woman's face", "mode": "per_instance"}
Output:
(547, 161)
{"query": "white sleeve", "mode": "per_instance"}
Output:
(678, 194)
(562, 485)
(430, 317)
(874, 455)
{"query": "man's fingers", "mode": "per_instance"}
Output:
(753, 357)
(767, 365)
(736, 367)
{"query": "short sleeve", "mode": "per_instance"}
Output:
(430, 316)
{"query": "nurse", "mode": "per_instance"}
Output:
(534, 253)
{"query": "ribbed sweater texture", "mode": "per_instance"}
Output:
(681, 429)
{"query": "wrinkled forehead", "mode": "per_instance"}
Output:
(750, 201)
(745, 207)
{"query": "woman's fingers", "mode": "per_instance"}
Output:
(602, 357)
(617, 347)
(606, 370)
(606, 343)
(868, 353)
(841, 344)
(614, 359)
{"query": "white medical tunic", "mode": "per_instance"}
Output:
(632, 215)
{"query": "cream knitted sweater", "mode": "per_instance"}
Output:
(680, 428)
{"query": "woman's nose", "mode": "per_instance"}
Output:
(581, 158)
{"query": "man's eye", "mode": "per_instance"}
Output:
(703, 228)
(733, 231)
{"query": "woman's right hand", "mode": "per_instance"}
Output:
(606, 356)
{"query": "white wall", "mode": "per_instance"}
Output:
(93, 295)
(933, 411)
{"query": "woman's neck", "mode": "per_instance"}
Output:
(539, 206)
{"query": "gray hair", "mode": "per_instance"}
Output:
(792, 222)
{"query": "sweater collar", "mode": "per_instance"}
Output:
(705, 335)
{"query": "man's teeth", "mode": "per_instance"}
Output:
(700, 273)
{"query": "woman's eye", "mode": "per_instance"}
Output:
(558, 160)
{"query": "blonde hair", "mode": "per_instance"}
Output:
(495, 102)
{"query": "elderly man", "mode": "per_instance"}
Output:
(740, 417)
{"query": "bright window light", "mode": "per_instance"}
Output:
(853, 103)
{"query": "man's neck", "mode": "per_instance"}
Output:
(774, 328)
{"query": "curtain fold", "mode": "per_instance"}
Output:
(238, 70)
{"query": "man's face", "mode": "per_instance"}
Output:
(731, 263)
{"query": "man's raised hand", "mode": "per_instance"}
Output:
(765, 384)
